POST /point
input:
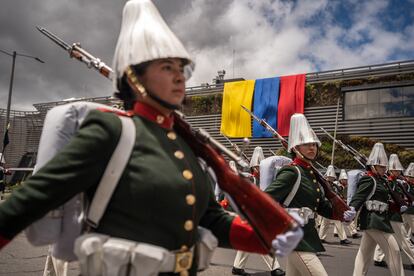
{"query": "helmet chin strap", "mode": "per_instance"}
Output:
(140, 89)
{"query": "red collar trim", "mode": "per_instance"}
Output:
(391, 177)
(153, 115)
(302, 163)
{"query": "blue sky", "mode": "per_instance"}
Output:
(268, 37)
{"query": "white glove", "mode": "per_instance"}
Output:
(403, 208)
(350, 214)
(285, 243)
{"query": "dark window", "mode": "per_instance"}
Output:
(379, 103)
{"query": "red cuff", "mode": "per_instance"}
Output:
(3, 242)
(243, 237)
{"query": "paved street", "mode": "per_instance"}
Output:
(21, 259)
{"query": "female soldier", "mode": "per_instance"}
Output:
(372, 198)
(163, 194)
(297, 189)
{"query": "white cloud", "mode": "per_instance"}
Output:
(278, 37)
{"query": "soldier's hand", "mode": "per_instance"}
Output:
(285, 243)
(350, 214)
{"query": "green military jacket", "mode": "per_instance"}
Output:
(395, 216)
(371, 219)
(309, 194)
(161, 198)
(410, 189)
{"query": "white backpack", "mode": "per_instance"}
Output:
(62, 226)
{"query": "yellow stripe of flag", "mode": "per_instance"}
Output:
(235, 122)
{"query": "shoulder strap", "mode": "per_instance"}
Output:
(294, 190)
(373, 190)
(113, 172)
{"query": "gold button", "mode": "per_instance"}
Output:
(311, 172)
(179, 154)
(188, 174)
(317, 200)
(316, 209)
(190, 199)
(160, 119)
(188, 225)
(184, 248)
(318, 190)
(184, 273)
(314, 181)
(172, 135)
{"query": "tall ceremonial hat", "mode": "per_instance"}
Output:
(330, 172)
(145, 36)
(300, 132)
(394, 163)
(378, 156)
(410, 170)
(343, 175)
(257, 157)
(232, 165)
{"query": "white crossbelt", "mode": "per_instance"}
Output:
(305, 213)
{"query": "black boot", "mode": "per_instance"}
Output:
(345, 242)
(381, 263)
(277, 272)
(239, 271)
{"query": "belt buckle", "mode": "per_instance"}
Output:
(183, 261)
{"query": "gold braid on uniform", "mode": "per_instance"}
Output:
(134, 82)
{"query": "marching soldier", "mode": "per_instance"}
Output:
(408, 216)
(400, 233)
(163, 195)
(297, 189)
(372, 198)
(330, 176)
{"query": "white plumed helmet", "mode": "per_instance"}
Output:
(300, 132)
(330, 171)
(257, 157)
(378, 156)
(145, 36)
(410, 170)
(394, 163)
(343, 175)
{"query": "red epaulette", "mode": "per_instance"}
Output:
(116, 111)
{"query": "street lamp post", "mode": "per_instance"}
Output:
(14, 55)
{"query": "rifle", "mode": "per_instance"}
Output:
(248, 198)
(362, 160)
(76, 51)
(338, 204)
(236, 148)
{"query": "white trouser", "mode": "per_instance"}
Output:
(323, 230)
(300, 263)
(370, 238)
(241, 259)
(55, 267)
(409, 220)
(318, 221)
(401, 236)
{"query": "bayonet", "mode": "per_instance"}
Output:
(360, 158)
(76, 51)
(264, 124)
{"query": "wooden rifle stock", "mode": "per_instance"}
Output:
(264, 214)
